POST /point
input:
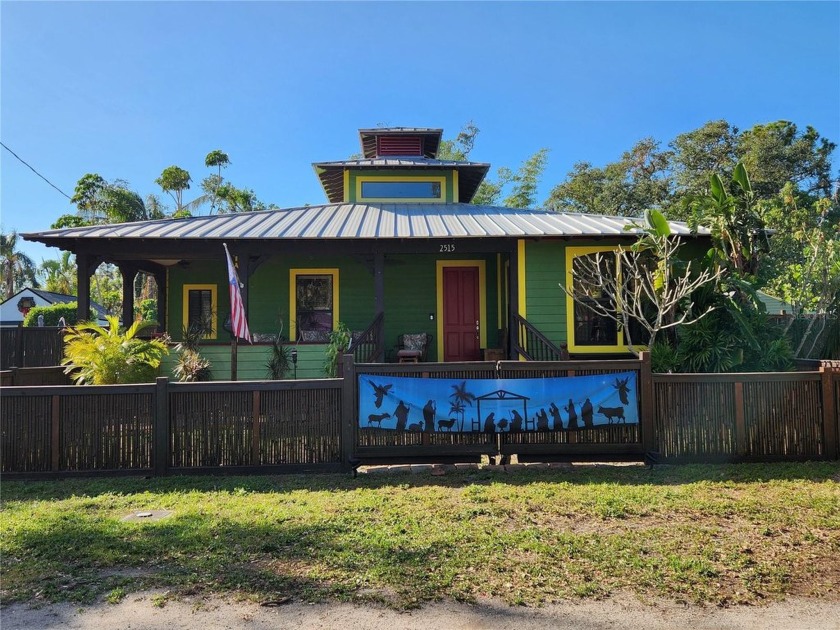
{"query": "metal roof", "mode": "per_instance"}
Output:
(362, 221)
(331, 174)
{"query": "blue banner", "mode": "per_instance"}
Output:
(496, 405)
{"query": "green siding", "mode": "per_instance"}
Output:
(251, 361)
(545, 302)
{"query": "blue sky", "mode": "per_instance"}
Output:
(126, 89)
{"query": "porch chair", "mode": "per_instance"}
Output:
(412, 347)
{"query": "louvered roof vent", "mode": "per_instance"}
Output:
(403, 146)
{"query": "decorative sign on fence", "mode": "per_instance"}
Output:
(497, 405)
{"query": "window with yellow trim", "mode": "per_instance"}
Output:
(587, 330)
(314, 304)
(200, 308)
(401, 188)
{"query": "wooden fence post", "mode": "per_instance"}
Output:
(830, 419)
(160, 433)
(348, 411)
(646, 406)
(19, 348)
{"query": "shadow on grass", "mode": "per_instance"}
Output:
(576, 474)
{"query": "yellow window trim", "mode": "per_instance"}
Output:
(360, 179)
(214, 306)
(293, 274)
(482, 299)
(571, 254)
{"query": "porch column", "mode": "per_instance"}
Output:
(83, 263)
(160, 281)
(379, 297)
(128, 272)
(513, 303)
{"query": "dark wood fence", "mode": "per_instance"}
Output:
(168, 428)
(780, 416)
(31, 347)
(311, 425)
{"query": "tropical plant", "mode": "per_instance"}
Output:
(94, 355)
(338, 344)
(191, 366)
(460, 398)
(174, 181)
(17, 268)
(60, 275)
(280, 359)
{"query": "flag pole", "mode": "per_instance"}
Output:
(238, 320)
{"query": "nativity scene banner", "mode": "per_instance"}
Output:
(497, 405)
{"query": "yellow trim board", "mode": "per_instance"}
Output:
(482, 299)
(571, 254)
(214, 306)
(521, 277)
(347, 186)
(455, 186)
(440, 179)
(293, 274)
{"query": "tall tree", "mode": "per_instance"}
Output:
(174, 181)
(637, 182)
(17, 268)
(60, 275)
(99, 201)
(210, 185)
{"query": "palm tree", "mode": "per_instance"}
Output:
(60, 275)
(17, 267)
(461, 398)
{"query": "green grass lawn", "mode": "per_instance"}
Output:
(718, 534)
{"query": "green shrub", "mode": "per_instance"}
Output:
(53, 313)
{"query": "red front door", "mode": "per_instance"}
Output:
(460, 314)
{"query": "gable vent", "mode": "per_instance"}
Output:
(400, 145)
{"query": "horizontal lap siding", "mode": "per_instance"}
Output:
(409, 298)
(545, 269)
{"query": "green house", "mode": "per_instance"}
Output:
(398, 249)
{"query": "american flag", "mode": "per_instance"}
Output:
(237, 308)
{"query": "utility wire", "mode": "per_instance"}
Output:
(36, 172)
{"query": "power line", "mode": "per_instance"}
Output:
(36, 172)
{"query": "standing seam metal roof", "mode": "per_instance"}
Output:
(368, 220)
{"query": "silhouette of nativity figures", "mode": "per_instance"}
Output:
(517, 421)
(490, 423)
(429, 416)
(555, 416)
(542, 420)
(586, 413)
(401, 414)
(570, 409)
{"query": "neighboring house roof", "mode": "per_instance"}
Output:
(57, 298)
(774, 305)
(363, 220)
(331, 174)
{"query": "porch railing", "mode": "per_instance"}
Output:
(369, 346)
(533, 345)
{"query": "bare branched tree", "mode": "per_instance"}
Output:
(646, 284)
